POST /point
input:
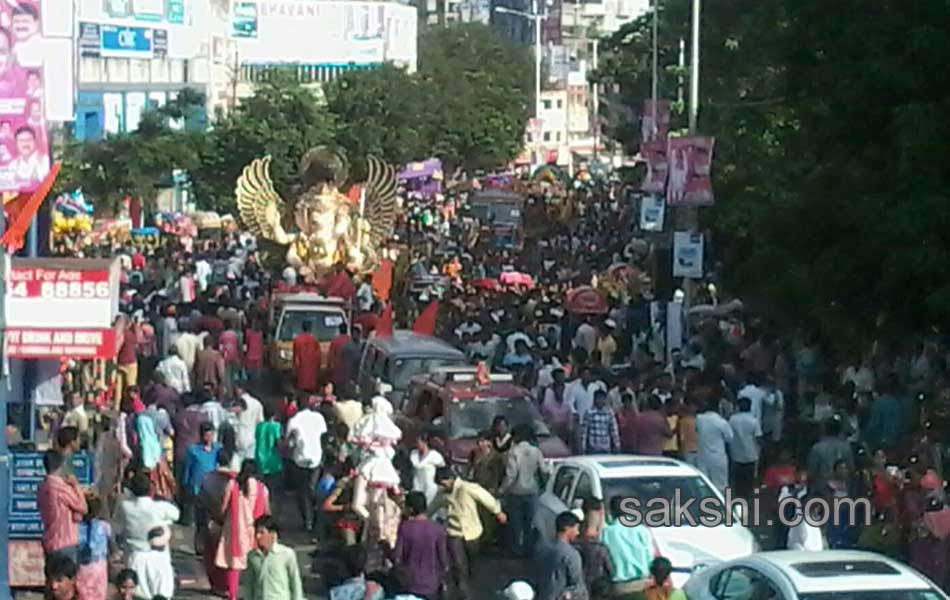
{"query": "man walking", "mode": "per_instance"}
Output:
(272, 570)
(560, 570)
(304, 431)
(461, 500)
(744, 447)
(520, 488)
(599, 431)
(421, 549)
(306, 359)
(713, 434)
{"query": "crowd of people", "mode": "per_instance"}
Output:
(184, 430)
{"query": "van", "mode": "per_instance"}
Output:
(394, 361)
(288, 314)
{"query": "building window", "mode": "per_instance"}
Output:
(546, 104)
(117, 70)
(530, 138)
(159, 70)
(547, 136)
(138, 71)
(90, 69)
(560, 104)
(558, 136)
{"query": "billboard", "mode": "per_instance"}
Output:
(61, 308)
(690, 162)
(24, 145)
(169, 11)
(337, 33)
(113, 41)
(688, 255)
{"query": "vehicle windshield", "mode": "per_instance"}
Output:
(404, 369)
(645, 489)
(469, 417)
(325, 325)
(881, 595)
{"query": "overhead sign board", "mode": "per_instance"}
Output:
(61, 308)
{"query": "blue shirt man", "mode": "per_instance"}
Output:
(201, 459)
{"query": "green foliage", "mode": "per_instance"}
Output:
(282, 120)
(381, 112)
(483, 91)
(831, 154)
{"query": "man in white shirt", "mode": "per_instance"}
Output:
(176, 372)
(203, 273)
(188, 345)
(579, 394)
(744, 447)
(586, 337)
(364, 296)
(756, 393)
(304, 431)
(138, 515)
(713, 434)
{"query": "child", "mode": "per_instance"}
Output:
(661, 588)
(154, 566)
(95, 541)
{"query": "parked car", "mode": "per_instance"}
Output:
(394, 361)
(827, 575)
(645, 478)
(453, 407)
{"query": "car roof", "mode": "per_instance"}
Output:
(405, 343)
(842, 570)
(625, 466)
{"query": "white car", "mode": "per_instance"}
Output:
(688, 547)
(826, 575)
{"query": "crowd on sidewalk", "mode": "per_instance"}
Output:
(179, 436)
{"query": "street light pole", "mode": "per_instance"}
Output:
(694, 69)
(537, 17)
(656, 65)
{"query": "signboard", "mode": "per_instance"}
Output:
(170, 11)
(337, 33)
(652, 212)
(244, 20)
(687, 255)
(654, 154)
(690, 162)
(61, 308)
(24, 144)
(26, 474)
(97, 40)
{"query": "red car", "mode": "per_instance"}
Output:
(452, 407)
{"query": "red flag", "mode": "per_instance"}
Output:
(425, 323)
(16, 231)
(384, 327)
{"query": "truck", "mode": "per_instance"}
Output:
(288, 313)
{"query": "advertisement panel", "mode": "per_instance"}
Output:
(62, 293)
(112, 41)
(24, 145)
(690, 162)
(654, 154)
(652, 212)
(26, 473)
(337, 33)
(170, 11)
(687, 255)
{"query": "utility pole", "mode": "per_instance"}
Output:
(682, 67)
(694, 69)
(655, 94)
(595, 98)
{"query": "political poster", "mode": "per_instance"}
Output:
(690, 162)
(24, 145)
(688, 255)
(658, 128)
(654, 154)
(652, 212)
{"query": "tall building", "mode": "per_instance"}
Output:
(134, 55)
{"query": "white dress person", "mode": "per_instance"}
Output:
(423, 472)
(713, 435)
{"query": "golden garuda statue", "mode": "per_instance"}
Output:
(330, 228)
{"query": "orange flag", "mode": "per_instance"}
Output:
(16, 230)
(384, 327)
(425, 323)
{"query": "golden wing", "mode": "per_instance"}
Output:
(259, 206)
(381, 185)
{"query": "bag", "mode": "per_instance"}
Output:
(85, 550)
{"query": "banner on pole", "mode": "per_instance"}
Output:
(654, 130)
(654, 154)
(688, 255)
(652, 212)
(690, 162)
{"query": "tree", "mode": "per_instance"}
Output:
(282, 119)
(381, 112)
(481, 93)
(135, 164)
(830, 167)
